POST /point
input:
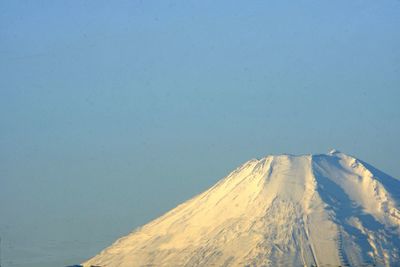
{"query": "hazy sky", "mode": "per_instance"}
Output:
(113, 112)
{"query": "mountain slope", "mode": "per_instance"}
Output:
(329, 209)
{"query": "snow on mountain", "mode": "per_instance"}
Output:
(325, 210)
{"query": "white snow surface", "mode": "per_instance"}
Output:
(322, 210)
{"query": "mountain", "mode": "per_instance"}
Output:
(310, 210)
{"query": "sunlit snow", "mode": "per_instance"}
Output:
(328, 209)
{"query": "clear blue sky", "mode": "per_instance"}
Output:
(113, 112)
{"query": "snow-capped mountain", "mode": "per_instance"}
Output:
(322, 210)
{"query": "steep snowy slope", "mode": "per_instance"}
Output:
(325, 210)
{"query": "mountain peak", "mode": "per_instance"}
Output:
(280, 210)
(334, 151)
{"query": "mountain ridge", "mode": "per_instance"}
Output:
(324, 209)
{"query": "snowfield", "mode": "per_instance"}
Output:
(322, 210)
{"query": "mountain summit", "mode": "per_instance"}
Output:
(311, 210)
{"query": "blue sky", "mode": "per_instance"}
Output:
(113, 113)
